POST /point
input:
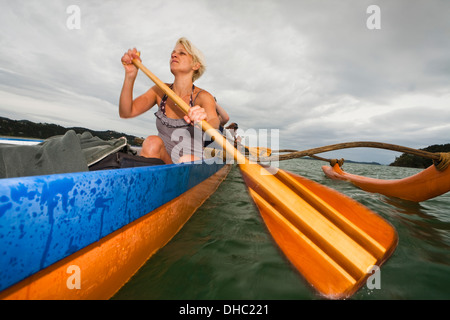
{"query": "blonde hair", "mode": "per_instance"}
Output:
(197, 57)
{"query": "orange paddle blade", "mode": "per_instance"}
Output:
(332, 240)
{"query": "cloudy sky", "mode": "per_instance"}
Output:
(313, 70)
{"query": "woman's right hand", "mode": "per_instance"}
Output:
(127, 61)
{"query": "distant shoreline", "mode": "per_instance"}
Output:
(32, 130)
(351, 161)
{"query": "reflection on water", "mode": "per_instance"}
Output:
(226, 252)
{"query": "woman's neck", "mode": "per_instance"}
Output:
(182, 86)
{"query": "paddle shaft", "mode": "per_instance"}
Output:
(206, 127)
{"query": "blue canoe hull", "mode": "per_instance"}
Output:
(45, 219)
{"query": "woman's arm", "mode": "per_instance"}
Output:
(129, 108)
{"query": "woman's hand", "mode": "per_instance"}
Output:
(127, 61)
(195, 114)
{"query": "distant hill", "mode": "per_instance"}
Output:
(28, 129)
(362, 162)
(412, 161)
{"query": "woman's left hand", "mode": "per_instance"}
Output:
(195, 114)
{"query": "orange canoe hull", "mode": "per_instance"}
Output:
(425, 185)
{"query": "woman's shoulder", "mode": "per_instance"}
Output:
(202, 94)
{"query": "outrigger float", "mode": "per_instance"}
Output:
(425, 185)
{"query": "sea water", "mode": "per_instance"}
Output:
(225, 251)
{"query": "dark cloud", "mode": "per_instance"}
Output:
(311, 69)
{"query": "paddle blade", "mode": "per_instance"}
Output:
(332, 240)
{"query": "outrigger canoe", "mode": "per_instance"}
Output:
(83, 235)
(422, 186)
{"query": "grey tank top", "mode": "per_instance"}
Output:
(179, 137)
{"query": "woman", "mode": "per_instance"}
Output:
(178, 139)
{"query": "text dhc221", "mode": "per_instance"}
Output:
(234, 309)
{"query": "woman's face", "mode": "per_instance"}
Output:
(181, 60)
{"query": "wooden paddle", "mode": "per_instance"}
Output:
(331, 239)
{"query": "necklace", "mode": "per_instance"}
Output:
(190, 101)
(164, 100)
